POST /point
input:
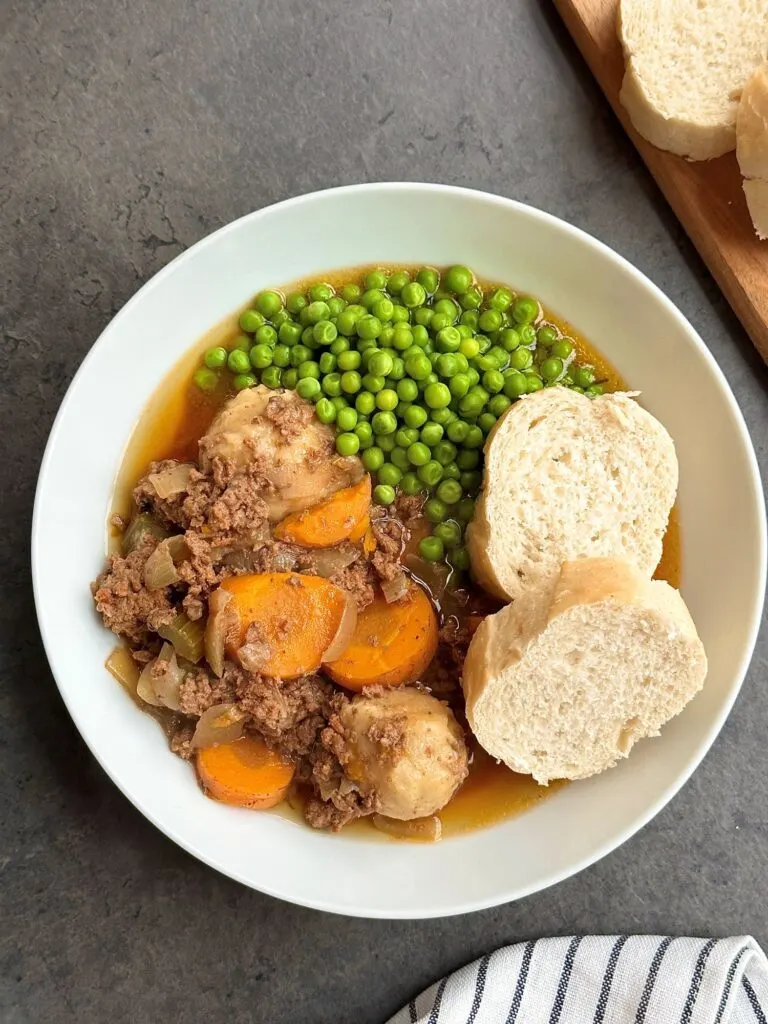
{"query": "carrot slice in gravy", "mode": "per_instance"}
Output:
(245, 773)
(392, 643)
(298, 617)
(334, 520)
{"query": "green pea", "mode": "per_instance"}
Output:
(458, 279)
(386, 338)
(413, 294)
(431, 473)
(499, 405)
(339, 346)
(383, 494)
(419, 454)
(295, 302)
(251, 320)
(238, 361)
(583, 376)
(290, 333)
(431, 549)
(402, 337)
(534, 383)
(272, 376)
(490, 320)
(501, 299)
(459, 559)
(444, 452)
(387, 400)
(448, 340)
(351, 382)
(364, 431)
(520, 359)
(418, 367)
(260, 356)
(465, 510)
(207, 379)
(442, 416)
(515, 384)
(371, 296)
(309, 388)
(326, 410)
(346, 418)
(486, 422)
(509, 339)
(525, 310)
(240, 383)
(383, 309)
(281, 356)
(420, 336)
(422, 317)
(384, 423)
(373, 459)
(435, 510)
(448, 308)
(346, 323)
(457, 431)
(410, 484)
(552, 369)
(324, 332)
(451, 471)
(399, 457)
(562, 349)
(336, 305)
(469, 318)
(347, 444)
(351, 292)
(266, 335)
(471, 404)
(365, 403)
(390, 475)
(375, 279)
(415, 416)
(449, 533)
(468, 459)
(429, 279)
(471, 299)
(290, 378)
(397, 281)
(475, 438)
(397, 373)
(331, 384)
(431, 378)
(268, 303)
(308, 338)
(407, 390)
(449, 491)
(309, 368)
(373, 383)
(459, 385)
(473, 376)
(349, 360)
(326, 362)
(593, 390)
(493, 381)
(547, 335)
(484, 343)
(431, 433)
(437, 396)
(315, 312)
(301, 354)
(465, 332)
(381, 364)
(527, 335)
(406, 436)
(499, 355)
(216, 358)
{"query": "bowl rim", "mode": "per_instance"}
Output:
(705, 742)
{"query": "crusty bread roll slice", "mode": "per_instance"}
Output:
(562, 685)
(752, 146)
(686, 62)
(567, 477)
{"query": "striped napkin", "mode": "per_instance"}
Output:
(613, 979)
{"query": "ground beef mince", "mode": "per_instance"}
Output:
(359, 581)
(123, 601)
(181, 740)
(391, 537)
(290, 418)
(200, 691)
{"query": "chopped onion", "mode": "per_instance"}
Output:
(283, 560)
(240, 560)
(254, 656)
(222, 723)
(172, 481)
(222, 621)
(344, 633)
(329, 561)
(423, 830)
(395, 589)
(123, 668)
(159, 570)
(162, 690)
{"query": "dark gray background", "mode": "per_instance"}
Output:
(130, 130)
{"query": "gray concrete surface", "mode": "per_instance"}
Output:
(129, 131)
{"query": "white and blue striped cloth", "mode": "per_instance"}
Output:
(607, 979)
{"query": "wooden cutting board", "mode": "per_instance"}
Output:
(706, 196)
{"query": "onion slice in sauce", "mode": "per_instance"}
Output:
(172, 481)
(161, 689)
(222, 723)
(222, 621)
(344, 632)
(423, 830)
(329, 561)
(395, 589)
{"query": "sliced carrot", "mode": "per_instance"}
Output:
(362, 528)
(392, 643)
(298, 618)
(245, 773)
(334, 520)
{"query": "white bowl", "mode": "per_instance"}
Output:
(628, 319)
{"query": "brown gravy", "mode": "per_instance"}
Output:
(176, 416)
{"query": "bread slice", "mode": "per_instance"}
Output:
(567, 477)
(752, 146)
(686, 63)
(563, 685)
